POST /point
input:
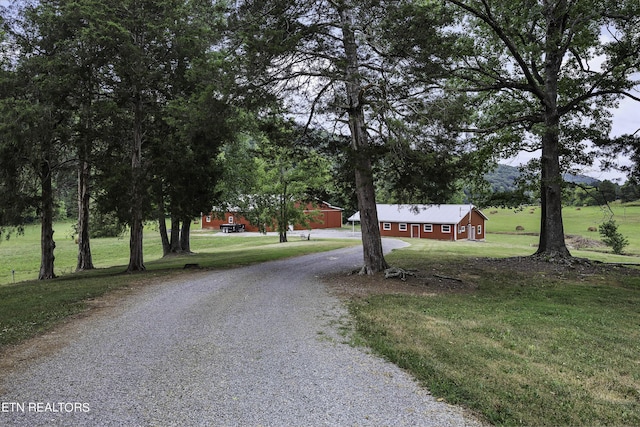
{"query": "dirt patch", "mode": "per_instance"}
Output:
(416, 283)
(463, 277)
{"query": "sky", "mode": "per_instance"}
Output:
(626, 120)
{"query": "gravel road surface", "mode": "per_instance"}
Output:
(253, 346)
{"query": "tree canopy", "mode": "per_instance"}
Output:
(148, 102)
(544, 75)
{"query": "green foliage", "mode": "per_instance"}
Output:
(629, 191)
(103, 225)
(287, 171)
(611, 237)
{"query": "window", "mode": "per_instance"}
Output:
(479, 229)
(463, 228)
(445, 228)
(230, 220)
(208, 218)
(386, 226)
(403, 227)
(428, 228)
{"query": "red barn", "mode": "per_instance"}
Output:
(441, 222)
(322, 215)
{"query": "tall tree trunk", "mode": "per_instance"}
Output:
(85, 260)
(185, 236)
(162, 225)
(371, 240)
(175, 235)
(136, 258)
(283, 221)
(47, 244)
(552, 243)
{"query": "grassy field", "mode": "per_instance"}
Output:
(577, 221)
(521, 349)
(29, 307)
(21, 254)
(517, 342)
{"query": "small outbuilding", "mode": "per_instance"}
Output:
(440, 222)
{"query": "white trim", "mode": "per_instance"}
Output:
(386, 226)
(427, 228)
(443, 226)
(402, 226)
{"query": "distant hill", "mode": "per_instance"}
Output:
(503, 178)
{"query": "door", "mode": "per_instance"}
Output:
(415, 231)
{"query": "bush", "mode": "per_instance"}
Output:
(611, 237)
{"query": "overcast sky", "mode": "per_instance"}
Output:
(626, 120)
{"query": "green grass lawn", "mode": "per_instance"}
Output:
(29, 307)
(521, 345)
(577, 221)
(21, 253)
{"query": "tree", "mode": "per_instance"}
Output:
(290, 173)
(545, 74)
(608, 191)
(335, 56)
(88, 67)
(36, 102)
(629, 191)
(186, 165)
(156, 45)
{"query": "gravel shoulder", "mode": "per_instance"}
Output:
(258, 345)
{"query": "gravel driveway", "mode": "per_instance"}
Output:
(250, 346)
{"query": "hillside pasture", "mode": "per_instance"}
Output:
(518, 340)
(578, 221)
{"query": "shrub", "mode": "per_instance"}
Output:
(611, 237)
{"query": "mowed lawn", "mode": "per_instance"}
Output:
(577, 222)
(518, 342)
(29, 307)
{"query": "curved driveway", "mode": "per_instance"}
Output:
(250, 346)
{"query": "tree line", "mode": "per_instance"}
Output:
(156, 107)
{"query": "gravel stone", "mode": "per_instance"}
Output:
(252, 346)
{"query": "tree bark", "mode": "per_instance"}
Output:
(185, 236)
(136, 258)
(164, 238)
(85, 259)
(47, 244)
(283, 222)
(371, 240)
(175, 245)
(552, 243)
